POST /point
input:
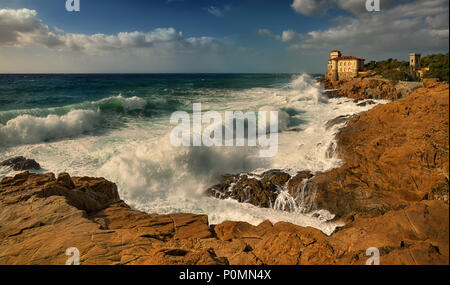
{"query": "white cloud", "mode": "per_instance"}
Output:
(355, 6)
(15, 24)
(310, 7)
(268, 34)
(216, 11)
(288, 36)
(438, 22)
(319, 7)
(420, 25)
(22, 27)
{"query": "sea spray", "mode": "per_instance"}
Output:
(27, 129)
(285, 202)
(131, 145)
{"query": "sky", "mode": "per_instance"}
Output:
(202, 36)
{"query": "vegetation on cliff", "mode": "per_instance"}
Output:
(394, 69)
(438, 64)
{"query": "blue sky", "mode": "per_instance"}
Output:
(191, 16)
(212, 35)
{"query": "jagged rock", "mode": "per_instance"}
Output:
(65, 180)
(392, 157)
(365, 103)
(394, 154)
(20, 163)
(369, 88)
(336, 121)
(41, 217)
(417, 234)
(391, 192)
(37, 226)
(259, 190)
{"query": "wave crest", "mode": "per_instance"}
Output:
(27, 129)
(308, 88)
(121, 104)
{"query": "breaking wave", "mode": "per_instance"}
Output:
(27, 129)
(156, 177)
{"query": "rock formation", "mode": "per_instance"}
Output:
(42, 216)
(394, 154)
(370, 88)
(20, 163)
(391, 193)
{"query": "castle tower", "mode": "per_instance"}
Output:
(414, 61)
(332, 73)
(335, 54)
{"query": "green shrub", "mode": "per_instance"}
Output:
(399, 70)
(438, 64)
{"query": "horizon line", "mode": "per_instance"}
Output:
(146, 73)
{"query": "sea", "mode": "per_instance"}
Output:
(117, 126)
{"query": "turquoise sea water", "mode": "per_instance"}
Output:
(62, 92)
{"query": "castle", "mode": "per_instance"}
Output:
(343, 67)
(415, 67)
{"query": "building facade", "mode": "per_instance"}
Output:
(343, 67)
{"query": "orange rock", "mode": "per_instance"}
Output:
(394, 154)
(37, 229)
(369, 88)
(430, 82)
(392, 193)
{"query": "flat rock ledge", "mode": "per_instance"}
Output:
(41, 216)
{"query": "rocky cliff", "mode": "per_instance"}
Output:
(42, 216)
(370, 88)
(394, 154)
(391, 192)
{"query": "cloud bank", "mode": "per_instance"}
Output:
(22, 27)
(310, 7)
(420, 25)
(320, 7)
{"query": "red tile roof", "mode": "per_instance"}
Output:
(348, 57)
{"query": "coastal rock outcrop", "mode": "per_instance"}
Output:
(20, 163)
(42, 216)
(395, 172)
(393, 155)
(260, 190)
(369, 88)
(391, 193)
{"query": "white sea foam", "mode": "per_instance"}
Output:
(27, 129)
(155, 177)
(128, 104)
